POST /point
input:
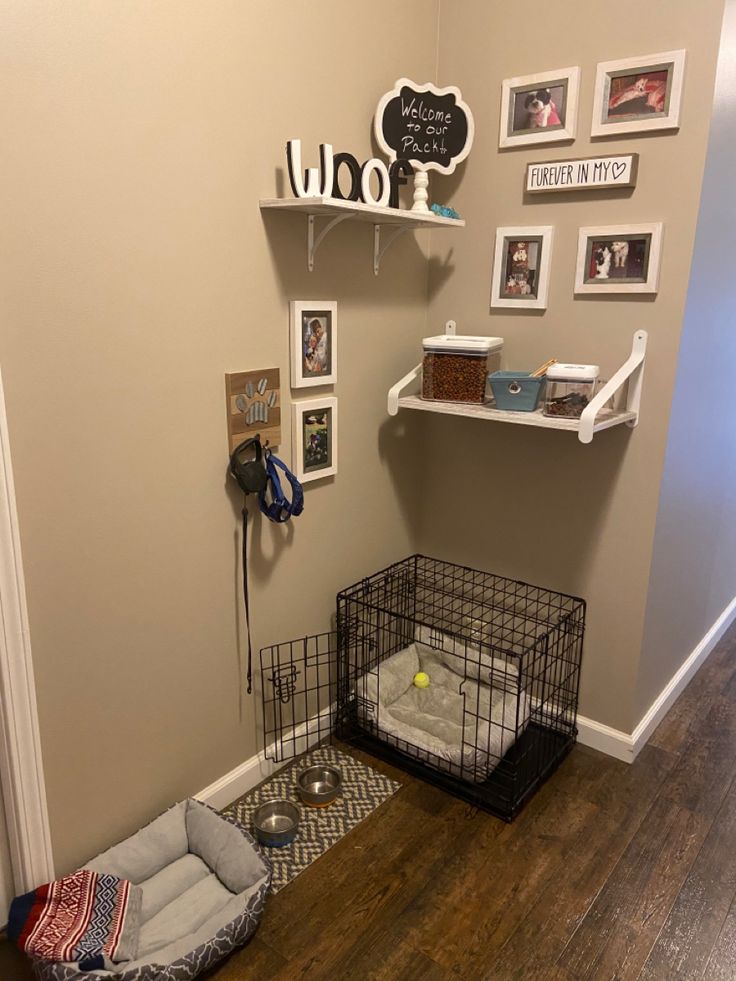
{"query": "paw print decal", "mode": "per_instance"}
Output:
(253, 404)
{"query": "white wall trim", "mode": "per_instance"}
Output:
(21, 765)
(250, 773)
(626, 746)
(612, 742)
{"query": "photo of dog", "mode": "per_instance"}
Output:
(624, 259)
(520, 268)
(539, 108)
(638, 95)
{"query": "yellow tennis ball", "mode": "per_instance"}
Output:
(421, 680)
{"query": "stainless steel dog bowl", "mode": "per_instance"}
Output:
(319, 785)
(276, 823)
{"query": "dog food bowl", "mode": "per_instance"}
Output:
(276, 823)
(319, 785)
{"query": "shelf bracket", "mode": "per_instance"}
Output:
(397, 390)
(631, 371)
(314, 242)
(378, 252)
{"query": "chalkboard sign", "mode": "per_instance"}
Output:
(431, 128)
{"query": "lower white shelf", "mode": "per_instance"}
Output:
(596, 415)
(604, 419)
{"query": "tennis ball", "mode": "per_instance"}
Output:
(421, 680)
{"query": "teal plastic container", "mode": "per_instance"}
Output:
(516, 391)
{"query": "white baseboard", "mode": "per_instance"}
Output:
(250, 773)
(626, 746)
(238, 781)
(606, 740)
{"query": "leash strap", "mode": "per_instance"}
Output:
(245, 599)
(280, 509)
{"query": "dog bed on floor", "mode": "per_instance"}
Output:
(204, 883)
(459, 722)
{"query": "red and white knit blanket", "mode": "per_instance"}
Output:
(86, 917)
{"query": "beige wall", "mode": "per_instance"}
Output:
(137, 269)
(693, 575)
(539, 505)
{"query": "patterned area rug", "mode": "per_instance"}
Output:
(363, 790)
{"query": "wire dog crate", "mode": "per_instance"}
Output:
(502, 660)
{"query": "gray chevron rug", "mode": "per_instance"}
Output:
(363, 790)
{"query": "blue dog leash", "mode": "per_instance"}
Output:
(280, 509)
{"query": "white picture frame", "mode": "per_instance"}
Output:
(304, 431)
(536, 126)
(619, 273)
(509, 263)
(303, 314)
(644, 74)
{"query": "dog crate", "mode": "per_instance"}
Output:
(497, 663)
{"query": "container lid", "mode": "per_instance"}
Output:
(462, 343)
(573, 372)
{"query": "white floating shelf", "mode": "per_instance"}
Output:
(604, 420)
(596, 415)
(336, 211)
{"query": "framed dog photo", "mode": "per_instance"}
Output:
(521, 267)
(313, 342)
(619, 259)
(539, 108)
(314, 437)
(638, 95)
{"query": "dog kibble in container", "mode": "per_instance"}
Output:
(455, 367)
(570, 387)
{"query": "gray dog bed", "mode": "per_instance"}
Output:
(471, 714)
(204, 884)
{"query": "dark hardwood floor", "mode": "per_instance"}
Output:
(611, 871)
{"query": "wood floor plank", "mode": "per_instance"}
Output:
(359, 865)
(617, 933)
(551, 919)
(721, 964)
(375, 900)
(481, 889)
(707, 766)
(700, 910)
(693, 704)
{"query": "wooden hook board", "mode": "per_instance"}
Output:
(253, 406)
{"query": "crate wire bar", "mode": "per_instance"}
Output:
(504, 663)
(299, 681)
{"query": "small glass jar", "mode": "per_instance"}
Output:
(455, 367)
(570, 387)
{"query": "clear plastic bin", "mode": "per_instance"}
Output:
(570, 387)
(455, 367)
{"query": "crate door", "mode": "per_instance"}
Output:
(299, 690)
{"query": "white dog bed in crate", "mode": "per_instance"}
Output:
(464, 721)
(204, 883)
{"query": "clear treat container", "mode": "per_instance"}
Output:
(570, 387)
(455, 367)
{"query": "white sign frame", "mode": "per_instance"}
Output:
(672, 60)
(417, 87)
(651, 285)
(580, 174)
(543, 79)
(539, 302)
